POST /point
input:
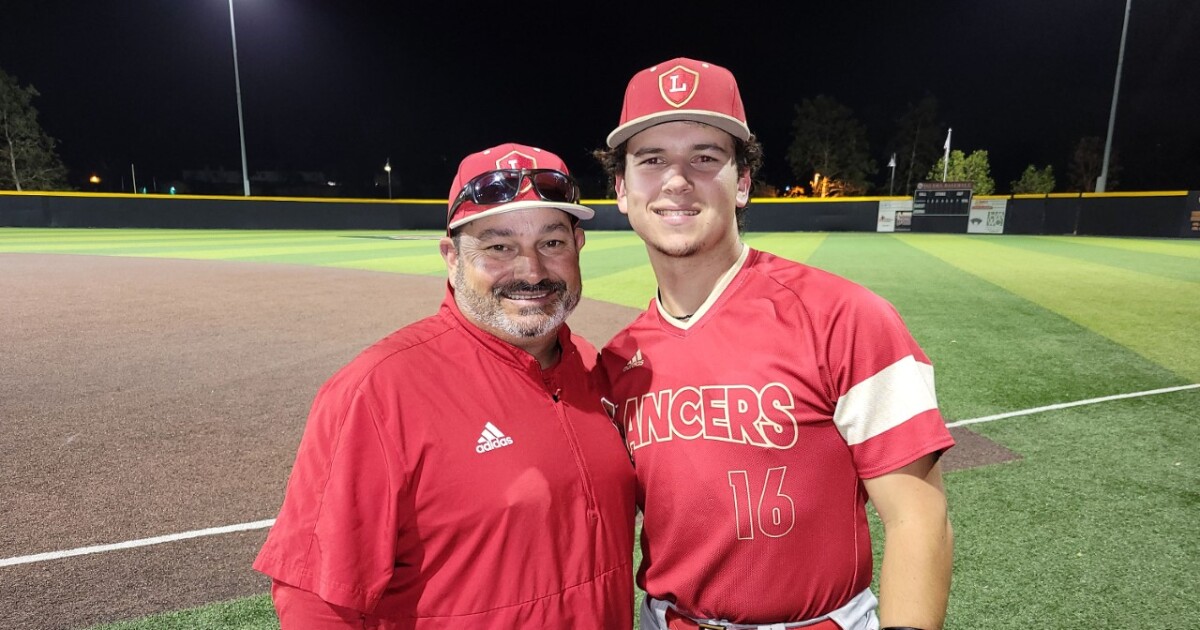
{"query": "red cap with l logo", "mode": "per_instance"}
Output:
(681, 89)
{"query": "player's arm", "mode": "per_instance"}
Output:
(914, 581)
(299, 609)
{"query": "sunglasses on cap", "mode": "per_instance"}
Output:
(504, 185)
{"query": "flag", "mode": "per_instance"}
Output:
(946, 158)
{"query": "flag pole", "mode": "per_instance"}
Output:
(946, 157)
(892, 183)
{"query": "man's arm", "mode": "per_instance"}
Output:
(914, 582)
(301, 610)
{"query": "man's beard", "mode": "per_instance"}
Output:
(535, 321)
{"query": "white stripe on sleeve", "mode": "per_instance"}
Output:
(884, 401)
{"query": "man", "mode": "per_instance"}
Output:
(763, 401)
(462, 472)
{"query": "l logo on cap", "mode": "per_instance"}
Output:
(678, 85)
(516, 161)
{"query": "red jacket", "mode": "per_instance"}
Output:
(445, 480)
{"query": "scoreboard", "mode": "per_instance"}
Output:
(942, 198)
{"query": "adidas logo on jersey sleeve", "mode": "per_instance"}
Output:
(491, 439)
(635, 361)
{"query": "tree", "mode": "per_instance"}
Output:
(1033, 181)
(27, 157)
(829, 140)
(1086, 162)
(917, 143)
(973, 168)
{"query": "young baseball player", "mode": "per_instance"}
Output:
(462, 472)
(764, 401)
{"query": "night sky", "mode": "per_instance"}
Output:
(342, 86)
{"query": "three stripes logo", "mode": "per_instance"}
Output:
(492, 438)
(636, 361)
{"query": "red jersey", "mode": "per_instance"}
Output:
(445, 480)
(751, 427)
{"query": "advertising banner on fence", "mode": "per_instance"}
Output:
(987, 216)
(889, 211)
(1191, 224)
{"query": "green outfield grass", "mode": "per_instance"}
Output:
(1096, 526)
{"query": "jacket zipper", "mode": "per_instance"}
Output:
(589, 492)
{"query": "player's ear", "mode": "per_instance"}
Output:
(743, 189)
(579, 238)
(619, 188)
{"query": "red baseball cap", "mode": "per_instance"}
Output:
(507, 156)
(681, 89)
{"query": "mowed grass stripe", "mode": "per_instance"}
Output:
(632, 286)
(616, 269)
(883, 264)
(1187, 248)
(346, 258)
(266, 252)
(797, 246)
(993, 351)
(52, 235)
(605, 240)
(616, 256)
(1151, 315)
(72, 237)
(1152, 262)
(315, 248)
(131, 234)
(424, 264)
(132, 247)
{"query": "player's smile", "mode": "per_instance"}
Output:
(675, 216)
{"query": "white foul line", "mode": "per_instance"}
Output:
(244, 527)
(130, 544)
(1077, 403)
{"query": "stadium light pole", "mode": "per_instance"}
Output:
(237, 82)
(1102, 181)
(387, 167)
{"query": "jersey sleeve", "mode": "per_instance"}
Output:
(336, 532)
(886, 404)
(301, 610)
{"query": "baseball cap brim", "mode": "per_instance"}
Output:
(573, 209)
(728, 124)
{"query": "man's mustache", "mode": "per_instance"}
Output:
(522, 286)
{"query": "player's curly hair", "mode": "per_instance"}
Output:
(747, 153)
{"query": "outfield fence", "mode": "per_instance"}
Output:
(1174, 214)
